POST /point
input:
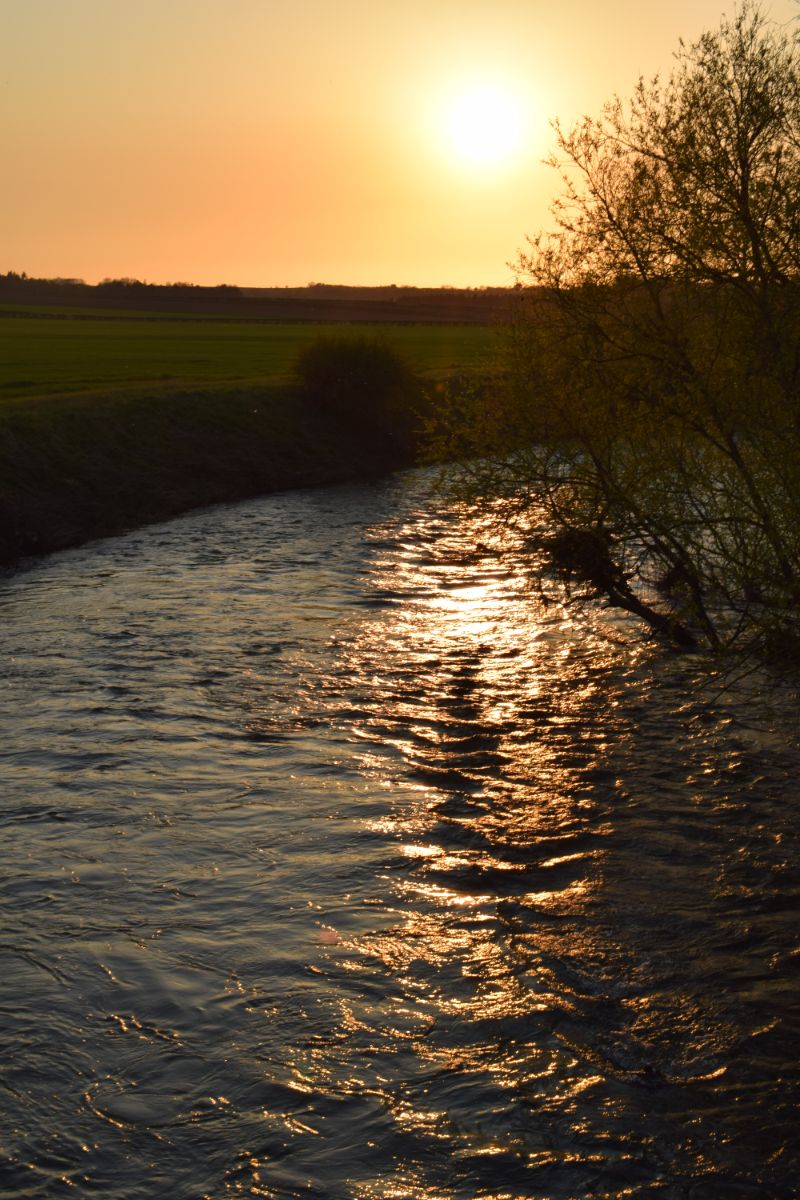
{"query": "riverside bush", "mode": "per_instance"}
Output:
(366, 387)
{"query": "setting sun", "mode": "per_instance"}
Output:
(484, 125)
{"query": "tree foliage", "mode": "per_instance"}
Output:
(653, 406)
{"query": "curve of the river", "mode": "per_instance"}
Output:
(338, 863)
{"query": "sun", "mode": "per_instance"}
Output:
(483, 124)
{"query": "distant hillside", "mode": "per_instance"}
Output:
(316, 303)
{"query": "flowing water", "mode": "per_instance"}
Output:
(336, 863)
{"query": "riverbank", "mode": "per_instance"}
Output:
(78, 467)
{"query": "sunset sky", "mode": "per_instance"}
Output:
(272, 142)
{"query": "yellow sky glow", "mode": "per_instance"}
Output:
(271, 142)
(484, 125)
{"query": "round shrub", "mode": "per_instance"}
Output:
(364, 385)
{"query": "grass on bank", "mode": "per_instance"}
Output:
(74, 468)
(49, 351)
(82, 465)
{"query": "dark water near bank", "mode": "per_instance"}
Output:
(336, 864)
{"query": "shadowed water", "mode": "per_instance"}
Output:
(335, 863)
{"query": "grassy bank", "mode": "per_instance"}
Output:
(50, 350)
(109, 420)
(78, 467)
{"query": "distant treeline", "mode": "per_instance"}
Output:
(317, 302)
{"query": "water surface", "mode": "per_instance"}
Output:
(336, 863)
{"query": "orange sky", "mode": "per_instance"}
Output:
(271, 142)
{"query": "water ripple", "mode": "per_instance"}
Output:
(338, 864)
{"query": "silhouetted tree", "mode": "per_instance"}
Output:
(655, 362)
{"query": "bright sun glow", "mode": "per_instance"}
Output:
(484, 125)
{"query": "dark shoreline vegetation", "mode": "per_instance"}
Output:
(110, 419)
(83, 466)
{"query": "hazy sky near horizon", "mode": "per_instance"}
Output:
(279, 142)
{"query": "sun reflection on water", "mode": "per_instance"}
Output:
(352, 870)
(484, 762)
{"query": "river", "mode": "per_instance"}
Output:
(339, 863)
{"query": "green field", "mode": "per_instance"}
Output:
(49, 350)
